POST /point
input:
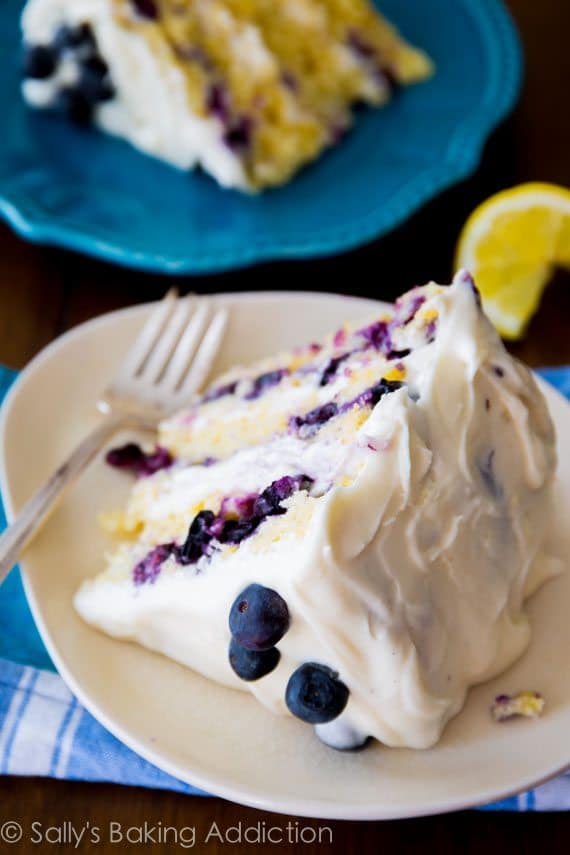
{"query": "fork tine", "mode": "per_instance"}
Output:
(187, 346)
(160, 355)
(202, 362)
(170, 360)
(148, 336)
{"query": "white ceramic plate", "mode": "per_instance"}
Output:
(217, 739)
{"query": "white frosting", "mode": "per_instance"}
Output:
(247, 471)
(410, 581)
(151, 108)
(340, 734)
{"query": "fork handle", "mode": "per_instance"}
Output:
(36, 510)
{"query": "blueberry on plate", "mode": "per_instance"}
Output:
(315, 694)
(39, 62)
(252, 664)
(259, 618)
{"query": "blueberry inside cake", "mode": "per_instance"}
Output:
(250, 90)
(349, 530)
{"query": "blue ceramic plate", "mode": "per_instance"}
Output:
(87, 192)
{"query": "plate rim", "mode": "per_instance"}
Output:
(463, 153)
(316, 808)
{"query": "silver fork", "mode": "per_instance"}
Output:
(168, 363)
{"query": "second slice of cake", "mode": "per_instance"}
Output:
(250, 90)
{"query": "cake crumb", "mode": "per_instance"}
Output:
(522, 704)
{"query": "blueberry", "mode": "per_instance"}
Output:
(39, 62)
(252, 664)
(217, 102)
(384, 387)
(400, 354)
(238, 507)
(198, 539)
(288, 484)
(234, 531)
(268, 503)
(148, 569)
(219, 392)
(75, 105)
(159, 459)
(371, 396)
(259, 618)
(94, 83)
(96, 66)
(377, 335)
(146, 9)
(125, 457)
(331, 369)
(238, 136)
(69, 38)
(254, 509)
(315, 418)
(315, 694)
(132, 458)
(264, 382)
(322, 414)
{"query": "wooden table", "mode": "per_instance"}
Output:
(45, 292)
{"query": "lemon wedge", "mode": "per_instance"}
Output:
(511, 245)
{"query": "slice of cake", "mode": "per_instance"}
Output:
(349, 531)
(250, 90)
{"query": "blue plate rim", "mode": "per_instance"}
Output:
(463, 154)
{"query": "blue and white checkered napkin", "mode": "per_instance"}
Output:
(45, 731)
